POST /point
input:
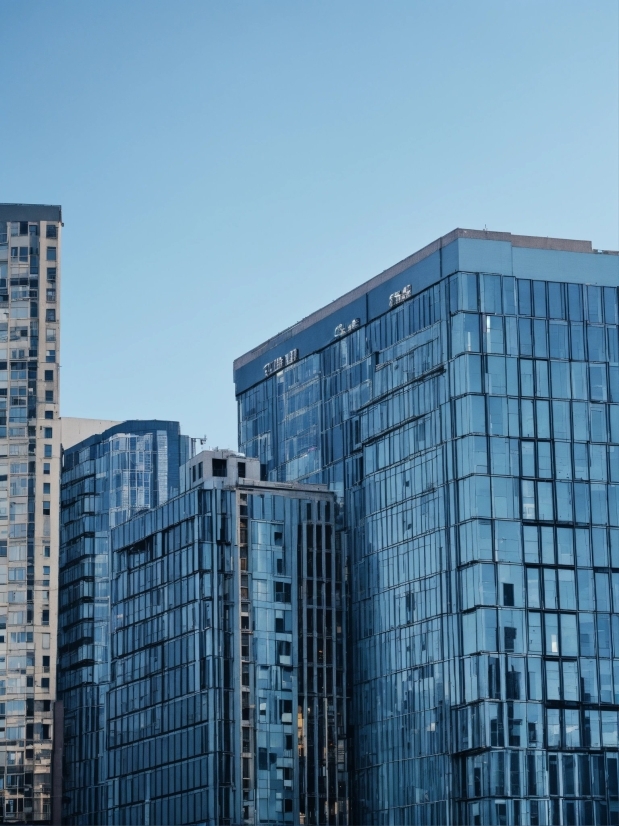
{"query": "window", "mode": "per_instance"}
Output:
(48, 432)
(23, 254)
(51, 231)
(51, 253)
(282, 592)
(49, 375)
(50, 315)
(241, 470)
(23, 227)
(46, 465)
(46, 507)
(285, 710)
(50, 356)
(49, 414)
(45, 616)
(19, 293)
(49, 395)
(220, 467)
(45, 687)
(51, 273)
(283, 653)
(46, 548)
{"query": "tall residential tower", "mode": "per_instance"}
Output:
(464, 405)
(29, 505)
(107, 478)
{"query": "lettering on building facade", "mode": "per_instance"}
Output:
(281, 362)
(342, 329)
(400, 295)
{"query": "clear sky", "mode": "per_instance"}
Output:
(227, 168)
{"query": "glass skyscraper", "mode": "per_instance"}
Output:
(29, 495)
(227, 693)
(464, 406)
(106, 479)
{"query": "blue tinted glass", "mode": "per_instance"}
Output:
(524, 297)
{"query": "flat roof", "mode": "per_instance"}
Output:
(531, 242)
(30, 212)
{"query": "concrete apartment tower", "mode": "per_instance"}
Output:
(29, 504)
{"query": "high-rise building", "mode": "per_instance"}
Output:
(464, 405)
(29, 496)
(115, 470)
(227, 695)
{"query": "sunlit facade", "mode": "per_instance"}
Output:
(30, 271)
(464, 406)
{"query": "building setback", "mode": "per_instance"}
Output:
(464, 405)
(29, 461)
(227, 695)
(107, 477)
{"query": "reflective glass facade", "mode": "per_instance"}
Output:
(465, 407)
(29, 463)
(227, 701)
(106, 479)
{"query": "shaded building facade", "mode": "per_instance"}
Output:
(464, 406)
(227, 694)
(106, 478)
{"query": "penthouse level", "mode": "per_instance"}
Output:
(462, 250)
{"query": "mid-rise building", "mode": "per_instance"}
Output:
(464, 405)
(29, 497)
(227, 695)
(115, 470)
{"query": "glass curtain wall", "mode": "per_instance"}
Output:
(105, 480)
(227, 699)
(472, 432)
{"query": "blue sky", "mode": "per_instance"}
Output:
(227, 168)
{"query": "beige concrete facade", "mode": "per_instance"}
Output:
(30, 274)
(74, 430)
